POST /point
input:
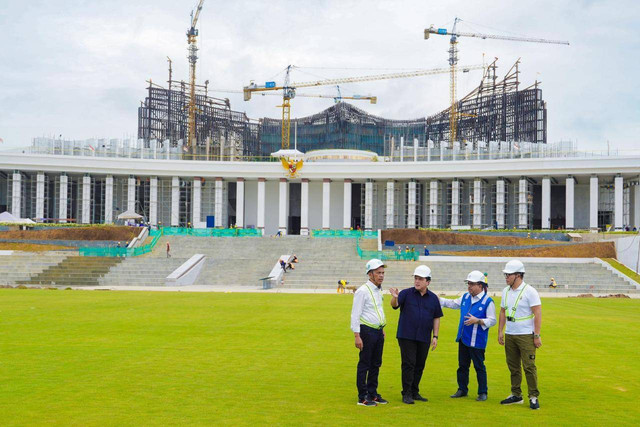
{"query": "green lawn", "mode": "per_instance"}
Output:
(131, 358)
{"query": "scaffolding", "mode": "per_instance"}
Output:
(220, 131)
(369, 207)
(164, 201)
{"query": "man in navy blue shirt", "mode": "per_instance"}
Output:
(420, 314)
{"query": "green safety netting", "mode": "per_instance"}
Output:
(387, 255)
(167, 231)
(352, 234)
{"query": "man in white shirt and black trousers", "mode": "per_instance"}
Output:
(367, 323)
(477, 315)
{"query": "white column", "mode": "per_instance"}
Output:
(402, 148)
(569, 203)
(218, 203)
(196, 203)
(131, 194)
(455, 203)
(346, 218)
(326, 207)
(304, 207)
(64, 187)
(593, 202)
(282, 209)
(175, 201)
(523, 207)
(411, 205)
(108, 199)
(16, 195)
(261, 205)
(153, 200)
(368, 205)
(86, 199)
(477, 203)
(40, 195)
(500, 203)
(390, 198)
(635, 197)
(618, 203)
(240, 203)
(433, 204)
(546, 203)
(415, 149)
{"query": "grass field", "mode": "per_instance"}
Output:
(140, 358)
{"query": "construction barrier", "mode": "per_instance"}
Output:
(387, 255)
(348, 234)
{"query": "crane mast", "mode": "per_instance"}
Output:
(192, 35)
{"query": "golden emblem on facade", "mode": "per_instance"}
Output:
(291, 166)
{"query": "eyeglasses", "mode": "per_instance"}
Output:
(508, 274)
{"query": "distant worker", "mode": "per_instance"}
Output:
(283, 264)
(486, 278)
(168, 250)
(521, 311)
(426, 251)
(553, 283)
(477, 315)
(341, 285)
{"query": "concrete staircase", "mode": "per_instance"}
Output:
(141, 271)
(242, 261)
(450, 276)
(21, 266)
(73, 271)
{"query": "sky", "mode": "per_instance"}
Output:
(79, 68)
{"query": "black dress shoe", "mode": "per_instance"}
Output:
(459, 393)
(481, 397)
(407, 399)
(420, 398)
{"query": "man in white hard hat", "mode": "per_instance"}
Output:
(477, 315)
(521, 310)
(420, 314)
(367, 323)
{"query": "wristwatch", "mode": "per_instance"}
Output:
(435, 336)
(536, 335)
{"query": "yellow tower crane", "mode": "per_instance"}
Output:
(192, 34)
(289, 89)
(453, 61)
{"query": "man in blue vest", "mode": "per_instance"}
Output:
(477, 315)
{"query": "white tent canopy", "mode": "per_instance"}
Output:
(7, 217)
(292, 154)
(129, 215)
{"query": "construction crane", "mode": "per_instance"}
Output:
(289, 89)
(192, 34)
(337, 98)
(453, 61)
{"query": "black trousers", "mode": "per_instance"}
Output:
(465, 356)
(370, 362)
(414, 356)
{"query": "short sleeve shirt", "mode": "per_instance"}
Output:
(416, 314)
(530, 298)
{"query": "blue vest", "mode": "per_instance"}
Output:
(473, 335)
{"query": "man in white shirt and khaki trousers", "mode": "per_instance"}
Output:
(521, 310)
(367, 323)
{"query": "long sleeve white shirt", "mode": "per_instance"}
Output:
(489, 321)
(370, 310)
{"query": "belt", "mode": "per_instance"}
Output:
(375, 328)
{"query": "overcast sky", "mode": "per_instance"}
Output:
(78, 68)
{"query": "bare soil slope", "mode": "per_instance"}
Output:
(89, 233)
(427, 237)
(581, 250)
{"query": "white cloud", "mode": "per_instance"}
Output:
(79, 68)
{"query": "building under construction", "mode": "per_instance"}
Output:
(497, 110)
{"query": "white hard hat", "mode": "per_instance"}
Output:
(476, 277)
(422, 271)
(514, 266)
(374, 264)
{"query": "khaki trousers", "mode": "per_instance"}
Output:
(520, 349)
